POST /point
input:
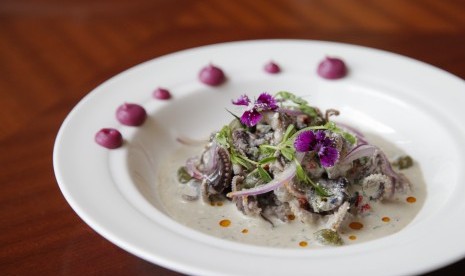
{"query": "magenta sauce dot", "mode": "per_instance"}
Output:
(161, 94)
(272, 68)
(109, 138)
(211, 75)
(131, 114)
(332, 68)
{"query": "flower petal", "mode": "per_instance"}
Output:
(242, 100)
(251, 118)
(320, 136)
(265, 102)
(305, 141)
(328, 156)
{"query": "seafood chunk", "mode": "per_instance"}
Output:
(338, 195)
(377, 186)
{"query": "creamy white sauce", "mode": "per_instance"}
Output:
(206, 218)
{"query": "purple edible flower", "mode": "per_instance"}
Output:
(319, 143)
(242, 100)
(264, 102)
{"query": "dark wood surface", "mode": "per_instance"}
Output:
(54, 52)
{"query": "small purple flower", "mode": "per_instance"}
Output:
(252, 115)
(319, 143)
(265, 102)
(242, 100)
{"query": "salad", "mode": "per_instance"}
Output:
(284, 159)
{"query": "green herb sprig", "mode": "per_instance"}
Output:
(301, 103)
(224, 138)
(286, 148)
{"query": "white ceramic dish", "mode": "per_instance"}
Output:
(414, 105)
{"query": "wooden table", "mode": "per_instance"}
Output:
(54, 52)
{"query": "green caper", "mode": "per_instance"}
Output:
(403, 162)
(183, 175)
(328, 237)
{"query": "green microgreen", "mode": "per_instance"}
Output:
(264, 174)
(224, 138)
(301, 103)
(303, 177)
(349, 137)
(267, 160)
(236, 117)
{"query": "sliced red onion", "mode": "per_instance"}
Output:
(191, 142)
(278, 181)
(191, 168)
(355, 131)
(289, 111)
(386, 166)
(360, 136)
(359, 151)
(399, 180)
(210, 158)
(366, 150)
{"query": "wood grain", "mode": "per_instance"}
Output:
(52, 53)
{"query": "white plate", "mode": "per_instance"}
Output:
(417, 107)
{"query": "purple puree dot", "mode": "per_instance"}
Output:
(332, 68)
(272, 68)
(161, 94)
(131, 114)
(109, 138)
(211, 75)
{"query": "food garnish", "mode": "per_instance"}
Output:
(161, 94)
(332, 68)
(283, 158)
(272, 68)
(109, 138)
(212, 75)
(131, 114)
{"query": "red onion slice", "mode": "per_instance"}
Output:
(192, 169)
(289, 111)
(282, 178)
(359, 151)
(210, 158)
(360, 137)
(191, 142)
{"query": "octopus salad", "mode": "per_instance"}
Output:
(284, 160)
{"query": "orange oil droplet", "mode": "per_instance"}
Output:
(225, 223)
(386, 219)
(291, 217)
(245, 231)
(411, 199)
(352, 237)
(303, 243)
(356, 225)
